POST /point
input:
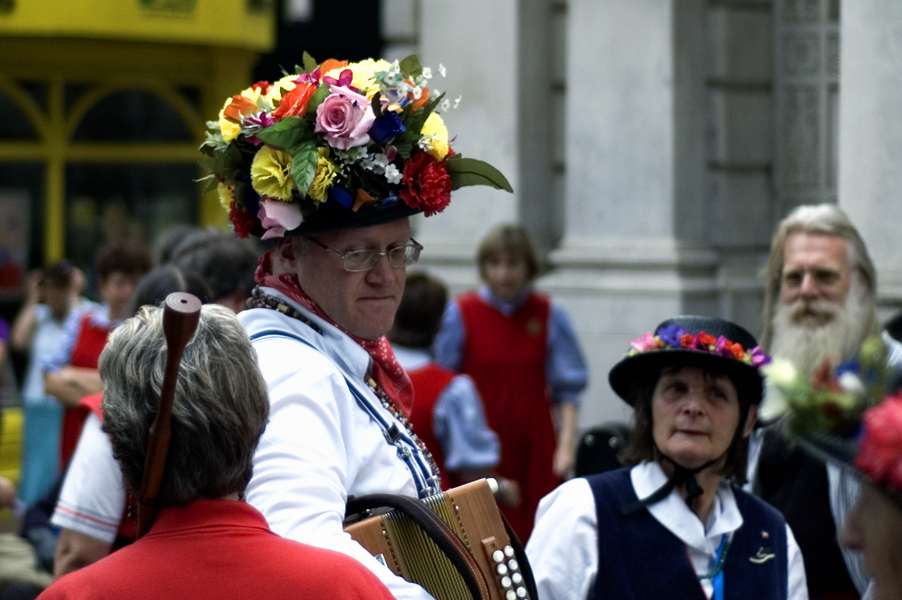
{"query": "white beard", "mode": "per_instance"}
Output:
(837, 333)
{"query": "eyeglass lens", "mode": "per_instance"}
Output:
(364, 260)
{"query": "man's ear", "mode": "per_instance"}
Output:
(750, 421)
(286, 254)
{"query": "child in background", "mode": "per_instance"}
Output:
(522, 352)
(447, 410)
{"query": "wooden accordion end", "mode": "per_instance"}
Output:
(471, 512)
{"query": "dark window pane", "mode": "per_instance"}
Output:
(108, 202)
(72, 92)
(14, 125)
(132, 116)
(192, 95)
(38, 91)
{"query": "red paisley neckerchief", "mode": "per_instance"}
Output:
(386, 370)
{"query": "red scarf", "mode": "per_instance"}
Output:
(386, 370)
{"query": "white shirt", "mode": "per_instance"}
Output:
(93, 495)
(565, 566)
(319, 446)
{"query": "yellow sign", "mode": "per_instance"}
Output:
(230, 23)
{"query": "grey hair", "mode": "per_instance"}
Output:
(826, 219)
(219, 412)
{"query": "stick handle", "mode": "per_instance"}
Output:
(181, 313)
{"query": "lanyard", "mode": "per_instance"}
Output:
(717, 579)
(716, 575)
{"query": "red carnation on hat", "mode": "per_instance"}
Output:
(242, 220)
(428, 185)
(880, 453)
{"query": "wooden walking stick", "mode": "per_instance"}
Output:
(181, 313)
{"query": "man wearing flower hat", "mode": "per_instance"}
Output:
(819, 307)
(331, 163)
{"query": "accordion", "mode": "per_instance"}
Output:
(472, 515)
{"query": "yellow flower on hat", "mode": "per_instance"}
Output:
(325, 175)
(435, 136)
(363, 75)
(285, 84)
(229, 129)
(226, 194)
(271, 174)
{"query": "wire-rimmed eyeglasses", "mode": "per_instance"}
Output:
(357, 261)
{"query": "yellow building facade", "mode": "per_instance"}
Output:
(103, 105)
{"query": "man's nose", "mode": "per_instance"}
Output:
(809, 285)
(382, 271)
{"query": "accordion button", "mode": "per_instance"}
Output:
(513, 565)
(521, 592)
(511, 595)
(502, 570)
(497, 556)
(509, 551)
(506, 582)
(517, 578)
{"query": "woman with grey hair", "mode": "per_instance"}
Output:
(206, 541)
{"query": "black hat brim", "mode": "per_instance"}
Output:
(337, 218)
(640, 367)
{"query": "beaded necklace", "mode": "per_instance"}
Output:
(263, 300)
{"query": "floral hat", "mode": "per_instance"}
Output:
(335, 146)
(692, 341)
(844, 414)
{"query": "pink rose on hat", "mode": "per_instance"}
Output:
(345, 117)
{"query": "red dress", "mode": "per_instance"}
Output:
(505, 356)
(86, 353)
(429, 381)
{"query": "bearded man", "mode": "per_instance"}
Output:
(820, 304)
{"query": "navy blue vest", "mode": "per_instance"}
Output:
(638, 558)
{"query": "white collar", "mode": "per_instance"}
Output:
(673, 513)
(331, 342)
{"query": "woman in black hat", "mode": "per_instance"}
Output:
(675, 524)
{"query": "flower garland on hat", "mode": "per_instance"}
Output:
(675, 336)
(355, 136)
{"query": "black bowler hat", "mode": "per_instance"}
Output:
(692, 341)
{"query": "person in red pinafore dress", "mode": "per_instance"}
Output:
(522, 352)
(71, 373)
(447, 411)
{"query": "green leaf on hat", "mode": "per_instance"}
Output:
(303, 165)
(309, 63)
(228, 166)
(471, 171)
(411, 67)
(404, 148)
(377, 104)
(317, 98)
(284, 134)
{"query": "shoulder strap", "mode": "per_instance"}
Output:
(427, 482)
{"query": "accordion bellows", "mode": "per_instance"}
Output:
(471, 512)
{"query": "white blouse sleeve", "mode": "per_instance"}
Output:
(797, 585)
(563, 548)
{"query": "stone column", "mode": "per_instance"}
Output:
(870, 134)
(636, 247)
(476, 41)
